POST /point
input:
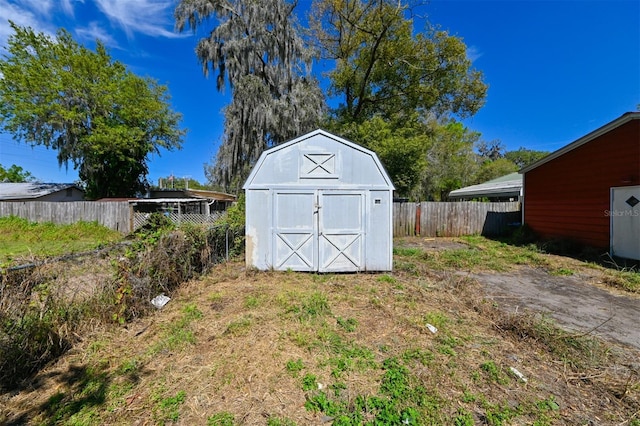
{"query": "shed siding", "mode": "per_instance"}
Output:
(568, 197)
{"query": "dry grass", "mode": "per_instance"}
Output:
(242, 344)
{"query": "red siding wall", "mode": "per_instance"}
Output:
(568, 196)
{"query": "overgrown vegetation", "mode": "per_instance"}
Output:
(414, 346)
(42, 315)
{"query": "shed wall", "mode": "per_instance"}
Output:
(569, 196)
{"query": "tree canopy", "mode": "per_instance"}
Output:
(383, 67)
(522, 157)
(256, 49)
(15, 174)
(413, 82)
(99, 117)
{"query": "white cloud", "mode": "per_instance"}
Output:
(67, 6)
(42, 7)
(94, 31)
(23, 15)
(473, 53)
(149, 17)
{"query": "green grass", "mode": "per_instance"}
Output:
(21, 239)
(484, 254)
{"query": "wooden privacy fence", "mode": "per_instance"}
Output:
(453, 219)
(112, 214)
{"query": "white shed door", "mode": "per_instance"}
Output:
(295, 231)
(341, 231)
(625, 222)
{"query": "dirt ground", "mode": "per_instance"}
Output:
(579, 302)
(573, 302)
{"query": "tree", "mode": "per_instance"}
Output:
(400, 148)
(384, 68)
(493, 169)
(411, 81)
(256, 49)
(181, 183)
(451, 162)
(15, 174)
(492, 150)
(100, 117)
(522, 157)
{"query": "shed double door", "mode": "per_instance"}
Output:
(320, 230)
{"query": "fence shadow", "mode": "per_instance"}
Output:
(500, 223)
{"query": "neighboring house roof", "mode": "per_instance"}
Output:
(212, 195)
(164, 200)
(31, 190)
(624, 118)
(191, 193)
(504, 186)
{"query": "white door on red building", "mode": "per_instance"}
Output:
(625, 222)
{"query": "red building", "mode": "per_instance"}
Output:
(589, 190)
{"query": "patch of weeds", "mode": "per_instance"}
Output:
(409, 267)
(577, 351)
(221, 419)
(116, 394)
(129, 367)
(468, 396)
(323, 404)
(347, 355)
(251, 302)
(309, 382)
(447, 344)
(338, 388)
(408, 251)
(496, 415)
(312, 306)
(240, 326)
(386, 279)
(168, 408)
(395, 381)
(278, 421)
(90, 391)
(562, 272)
(447, 350)
(628, 280)
(463, 418)
(494, 373)
(436, 319)
(301, 339)
(424, 357)
(400, 399)
(178, 334)
(546, 411)
(294, 367)
(348, 324)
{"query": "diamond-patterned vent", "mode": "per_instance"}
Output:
(632, 201)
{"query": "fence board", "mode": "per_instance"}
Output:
(453, 219)
(113, 215)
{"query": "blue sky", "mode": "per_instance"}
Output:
(556, 70)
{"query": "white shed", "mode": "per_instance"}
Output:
(319, 203)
